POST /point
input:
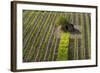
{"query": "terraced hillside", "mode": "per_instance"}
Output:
(42, 43)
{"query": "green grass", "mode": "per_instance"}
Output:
(63, 47)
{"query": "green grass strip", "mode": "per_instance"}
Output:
(63, 47)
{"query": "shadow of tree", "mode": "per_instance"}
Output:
(75, 31)
(71, 28)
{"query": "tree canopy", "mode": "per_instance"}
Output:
(65, 25)
(63, 22)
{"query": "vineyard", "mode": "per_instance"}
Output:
(43, 42)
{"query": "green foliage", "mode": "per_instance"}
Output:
(61, 21)
(63, 46)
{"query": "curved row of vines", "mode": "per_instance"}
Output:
(40, 42)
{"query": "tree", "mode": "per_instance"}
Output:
(65, 25)
(61, 21)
